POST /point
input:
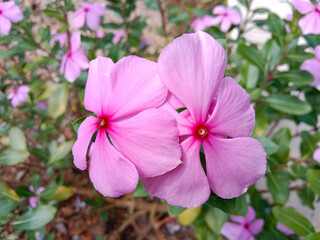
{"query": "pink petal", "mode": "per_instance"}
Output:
(225, 25)
(117, 36)
(234, 16)
(234, 231)
(150, 140)
(191, 67)
(220, 9)
(98, 86)
(80, 147)
(310, 24)
(317, 52)
(136, 87)
(40, 190)
(93, 21)
(63, 64)
(110, 172)
(316, 155)
(6, 5)
(80, 59)
(238, 219)
(98, 9)
(312, 66)
(200, 24)
(233, 165)
(256, 226)
(33, 201)
(233, 114)
(251, 214)
(23, 89)
(31, 188)
(72, 71)
(75, 41)
(13, 13)
(5, 25)
(282, 228)
(79, 18)
(15, 101)
(186, 185)
(303, 6)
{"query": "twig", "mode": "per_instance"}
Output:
(163, 18)
(296, 162)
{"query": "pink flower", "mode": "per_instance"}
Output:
(289, 18)
(19, 96)
(144, 42)
(192, 67)
(100, 34)
(117, 36)
(312, 66)
(244, 227)
(140, 139)
(311, 22)
(9, 12)
(60, 37)
(90, 13)
(33, 200)
(282, 228)
(200, 24)
(316, 154)
(75, 60)
(42, 105)
(226, 16)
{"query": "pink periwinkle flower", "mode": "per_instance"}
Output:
(42, 105)
(309, 24)
(117, 36)
(282, 228)
(242, 228)
(312, 66)
(9, 12)
(133, 137)
(60, 37)
(144, 42)
(192, 67)
(100, 34)
(19, 96)
(89, 13)
(226, 16)
(289, 18)
(75, 60)
(316, 154)
(33, 200)
(201, 23)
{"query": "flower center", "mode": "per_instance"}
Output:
(103, 123)
(0, 12)
(246, 226)
(225, 14)
(201, 131)
(316, 10)
(86, 10)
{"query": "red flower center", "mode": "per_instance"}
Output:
(246, 226)
(69, 55)
(0, 12)
(86, 10)
(225, 14)
(316, 10)
(103, 123)
(201, 131)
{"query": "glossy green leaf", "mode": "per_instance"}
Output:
(17, 139)
(175, 210)
(313, 236)
(7, 206)
(269, 146)
(307, 196)
(297, 77)
(251, 55)
(61, 151)
(140, 191)
(278, 188)
(57, 103)
(314, 180)
(12, 157)
(282, 138)
(23, 191)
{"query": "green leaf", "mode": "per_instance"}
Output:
(23, 191)
(252, 55)
(140, 191)
(8, 193)
(276, 27)
(189, 215)
(307, 196)
(234, 206)
(261, 10)
(282, 138)
(152, 4)
(53, 14)
(269, 146)
(308, 144)
(35, 218)
(17, 49)
(62, 193)
(297, 77)
(314, 180)
(215, 218)
(76, 123)
(12, 157)
(278, 188)
(250, 75)
(61, 152)
(293, 220)
(48, 193)
(175, 210)
(313, 236)
(6, 207)
(17, 139)
(288, 104)
(57, 103)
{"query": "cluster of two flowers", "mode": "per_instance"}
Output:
(139, 131)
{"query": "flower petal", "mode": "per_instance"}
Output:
(233, 114)
(150, 140)
(5, 25)
(93, 21)
(98, 87)
(72, 71)
(80, 147)
(225, 25)
(310, 24)
(33, 201)
(186, 185)
(75, 41)
(191, 67)
(219, 9)
(256, 226)
(317, 52)
(303, 6)
(234, 16)
(63, 64)
(81, 59)
(282, 228)
(234, 231)
(233, 165)
(98, 9)
(13, 13)
(251, 214)
(312, 66)
(316, 155)
(136, 87)
(79, 18)
(110, 172)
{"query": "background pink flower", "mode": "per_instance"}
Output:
(19, 96)
(282, 228)
(141, 140)
(90, 13)
(75, 60)
(192, 67)
(60, 37)
(9, 12)
(312, 66)
(33, 200)
(200, 24)
(225, 16)
(117, 36)
(242, 228)
(316, 154)
(309, 24)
